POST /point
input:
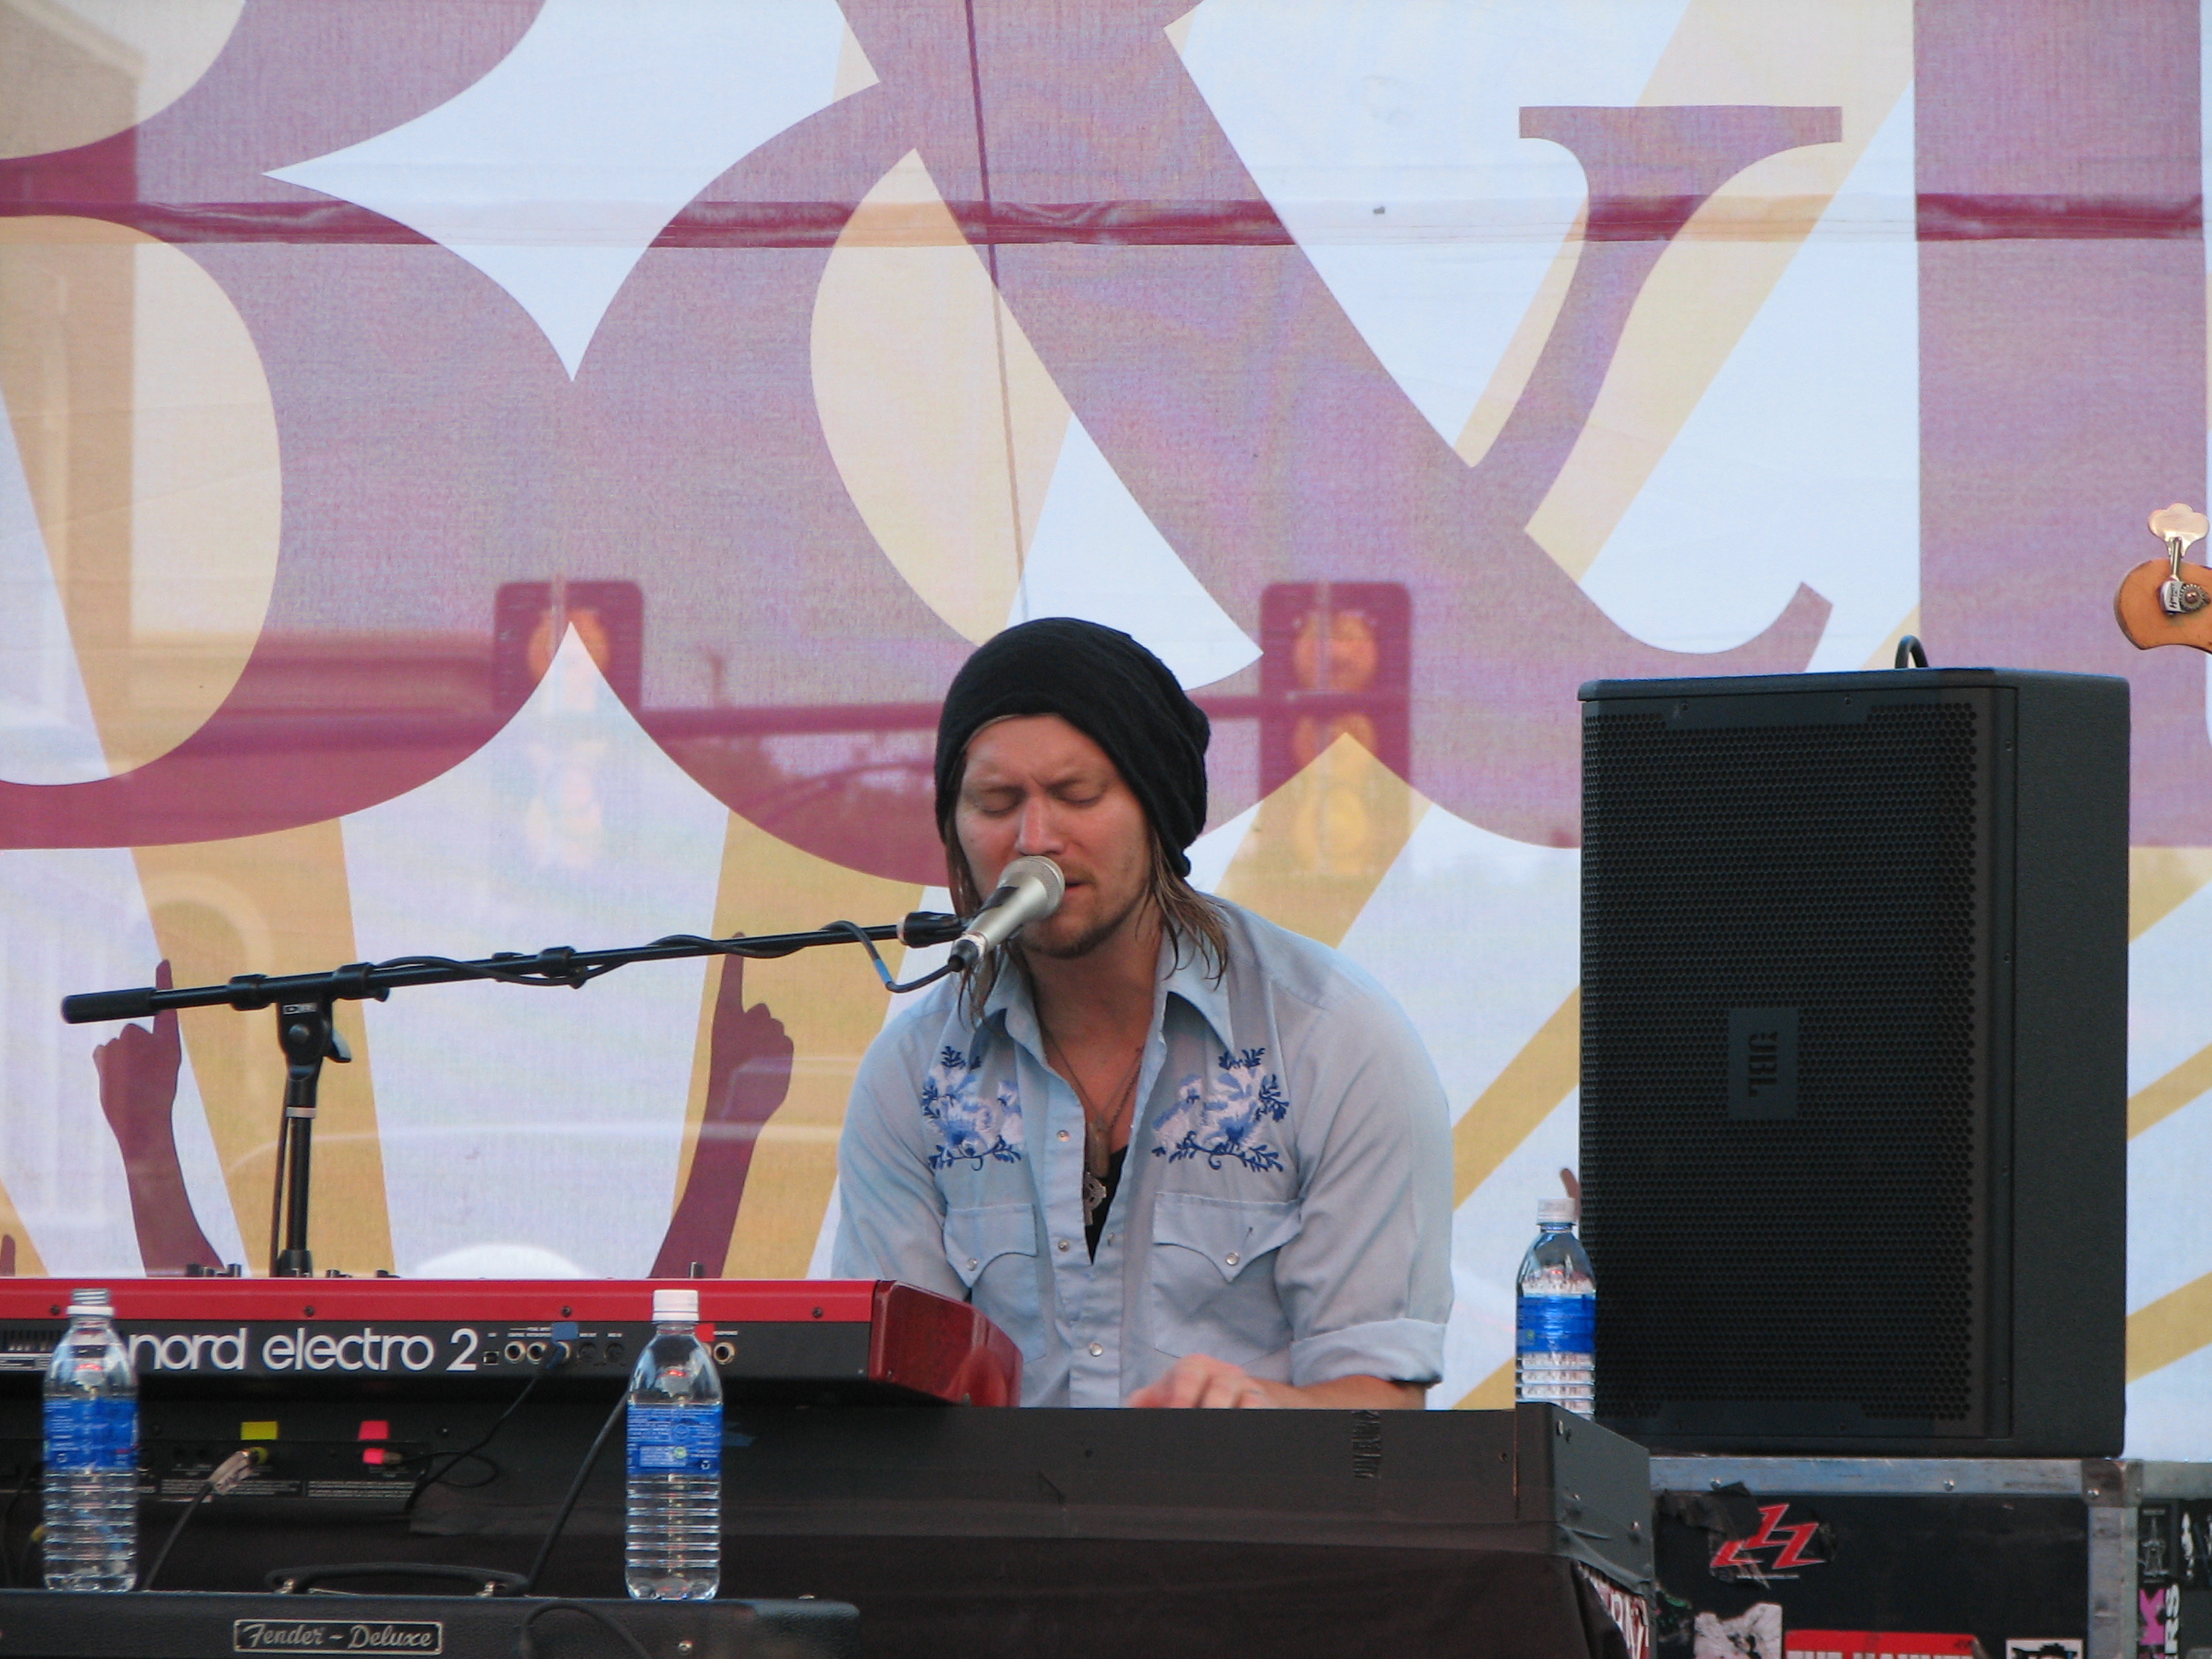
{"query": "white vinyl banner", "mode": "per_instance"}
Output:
(533, 489)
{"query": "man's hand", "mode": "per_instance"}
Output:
(1199, 1380)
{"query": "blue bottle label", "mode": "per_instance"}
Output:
(91, 1435)
(1558, 1324)
(676, 1440)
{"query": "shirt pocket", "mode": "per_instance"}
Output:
(993, 1249)
(1213, 1275)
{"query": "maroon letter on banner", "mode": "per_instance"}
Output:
(436, 452)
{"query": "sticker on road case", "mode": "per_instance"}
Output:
(1630, 1612)
(1830, 1644)
(1776, 1550)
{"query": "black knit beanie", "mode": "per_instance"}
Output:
(1105, 685)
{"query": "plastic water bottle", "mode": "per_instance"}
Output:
(673, 1548)
(92, 1454)
(1556, 1315)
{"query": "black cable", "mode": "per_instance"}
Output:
(575, 1491)
(560, 964)
(206, 1492)
(224, 1477)
(32, 1536)
(492, 1469)
(1910, 650)
(25, 1475)
(883, 973)
(431, 1475)
(736, 946)
(576, 976)
(526, 1649)
(277, 1190)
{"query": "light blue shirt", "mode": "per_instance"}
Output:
(1285, 1204)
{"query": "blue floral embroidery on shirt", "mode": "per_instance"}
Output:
(1226, 1121)
(971, 1129)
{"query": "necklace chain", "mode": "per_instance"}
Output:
(1097, 1128)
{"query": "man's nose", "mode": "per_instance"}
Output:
(1039, 830)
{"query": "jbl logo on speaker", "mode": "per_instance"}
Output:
(1762, 1062)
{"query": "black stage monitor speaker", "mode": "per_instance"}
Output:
(1854, 1060)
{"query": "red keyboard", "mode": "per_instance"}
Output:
(776, 1340)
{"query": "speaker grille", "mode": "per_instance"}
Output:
(1838, 870)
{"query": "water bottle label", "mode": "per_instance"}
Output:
(88, 1435)
(1558, 1324)
(676, 1440)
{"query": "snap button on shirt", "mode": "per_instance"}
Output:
(1097, 1349)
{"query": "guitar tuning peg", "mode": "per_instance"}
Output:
(2165, 601)
(2177, 526)
(2180, 522)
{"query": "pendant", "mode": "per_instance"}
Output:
(1094, 1194)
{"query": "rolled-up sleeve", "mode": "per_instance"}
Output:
(1367, 1282)
(891, 1222)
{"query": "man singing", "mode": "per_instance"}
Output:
(1181, 1155)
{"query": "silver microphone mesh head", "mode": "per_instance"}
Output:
(1041, 868)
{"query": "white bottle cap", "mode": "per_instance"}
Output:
(89, 1300)
(1555, 1209)
(675, 1307)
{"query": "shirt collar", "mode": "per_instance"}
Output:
(1191, 979)
(1009, 1007)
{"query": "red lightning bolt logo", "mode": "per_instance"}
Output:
(1791, 1542)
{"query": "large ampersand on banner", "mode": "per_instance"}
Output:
(434, 448)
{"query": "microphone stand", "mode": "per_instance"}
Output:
(308, 1036)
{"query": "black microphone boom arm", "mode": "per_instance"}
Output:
(559, 964)
(304, 1004)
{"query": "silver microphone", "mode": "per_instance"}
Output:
(1029, 889)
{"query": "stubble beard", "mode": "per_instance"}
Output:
(1093, 938)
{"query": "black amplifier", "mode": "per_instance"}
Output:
(158, 1625)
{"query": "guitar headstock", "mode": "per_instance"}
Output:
(2168, 601)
